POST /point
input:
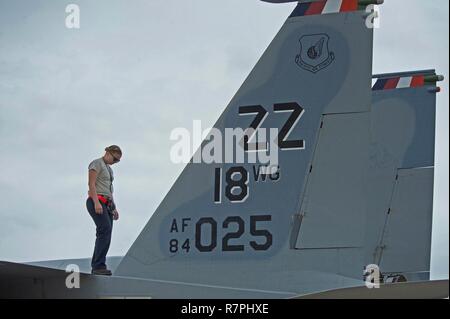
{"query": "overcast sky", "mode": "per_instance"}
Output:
(134, 71)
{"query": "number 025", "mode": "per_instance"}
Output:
(236, 235)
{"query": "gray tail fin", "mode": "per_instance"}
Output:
(402, 172)
(231, 223)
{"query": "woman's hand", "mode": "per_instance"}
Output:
(98, 208)
(115, 214)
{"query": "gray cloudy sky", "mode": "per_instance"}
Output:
(134, 71)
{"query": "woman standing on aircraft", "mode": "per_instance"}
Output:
(101, 207)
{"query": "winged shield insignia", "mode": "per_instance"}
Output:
(314, 53)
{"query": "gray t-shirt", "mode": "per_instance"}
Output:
(105, 177)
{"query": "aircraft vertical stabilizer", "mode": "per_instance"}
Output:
(236, 224)
(401, 179)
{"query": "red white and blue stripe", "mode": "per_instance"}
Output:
(399, 83)
(324, 7)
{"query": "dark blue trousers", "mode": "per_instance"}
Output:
(104, 224)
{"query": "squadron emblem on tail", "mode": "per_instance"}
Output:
(314, 53)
